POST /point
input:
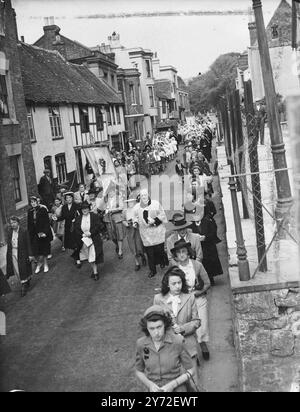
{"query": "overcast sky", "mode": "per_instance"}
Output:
(190, 43)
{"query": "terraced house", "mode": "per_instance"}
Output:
(101, 65)
(67, 108)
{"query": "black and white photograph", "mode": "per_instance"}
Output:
(149, 198)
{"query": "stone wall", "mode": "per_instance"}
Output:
(267, 340)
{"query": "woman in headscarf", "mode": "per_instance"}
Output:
(163, 363)
(151, 219)
(40, 233)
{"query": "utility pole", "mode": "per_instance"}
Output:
(284, 197)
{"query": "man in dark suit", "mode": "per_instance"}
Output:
(46, 189)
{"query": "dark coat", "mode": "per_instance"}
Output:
(69, 215)
(46, 191)
(95, 236)
(40, 246)
(4, 285)
(24, 251)
(211, 261)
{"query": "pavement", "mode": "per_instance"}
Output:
(283, 254)
(70, 333)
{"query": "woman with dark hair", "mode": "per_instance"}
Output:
(68, 213)
(176, 299)
(161, 356)
(198, 284)
(89, 245)
(19, 255)
(40, 233)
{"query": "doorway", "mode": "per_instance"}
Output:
(48, 165)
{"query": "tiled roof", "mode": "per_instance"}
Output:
(163, 89)
(49, 78)
(181, 84)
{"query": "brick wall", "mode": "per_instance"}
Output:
(14, 133)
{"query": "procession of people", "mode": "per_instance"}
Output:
(176, 328)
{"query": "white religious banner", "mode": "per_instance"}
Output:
(101, 162)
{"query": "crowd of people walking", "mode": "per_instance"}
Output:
(176, 326)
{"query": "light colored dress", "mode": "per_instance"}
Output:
(87, 252)
(14, 243)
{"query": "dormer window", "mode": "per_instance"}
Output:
(275, 33)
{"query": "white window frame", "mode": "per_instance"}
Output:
(62, 175)
(132, 95)
(22, 182)
(55, 122)
(151, 96)
(30, 124)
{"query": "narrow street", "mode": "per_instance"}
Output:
(73, 334)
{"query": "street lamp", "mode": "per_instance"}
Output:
(284, 197)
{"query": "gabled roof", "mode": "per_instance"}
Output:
(49, 78)
(181, 84)
(283, 19)
(71, 49)
(163, 89)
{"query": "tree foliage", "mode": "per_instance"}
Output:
(205, 90)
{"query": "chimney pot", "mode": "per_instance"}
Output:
(252, 32)
(22, 39)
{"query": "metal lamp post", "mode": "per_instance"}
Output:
(284, 197)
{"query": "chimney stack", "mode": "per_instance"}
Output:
(252, 33)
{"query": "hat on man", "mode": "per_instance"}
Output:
(85, 205)
(178, 222)
(69, 194)
(180, 244)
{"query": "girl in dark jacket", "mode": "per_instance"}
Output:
(40, 233)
